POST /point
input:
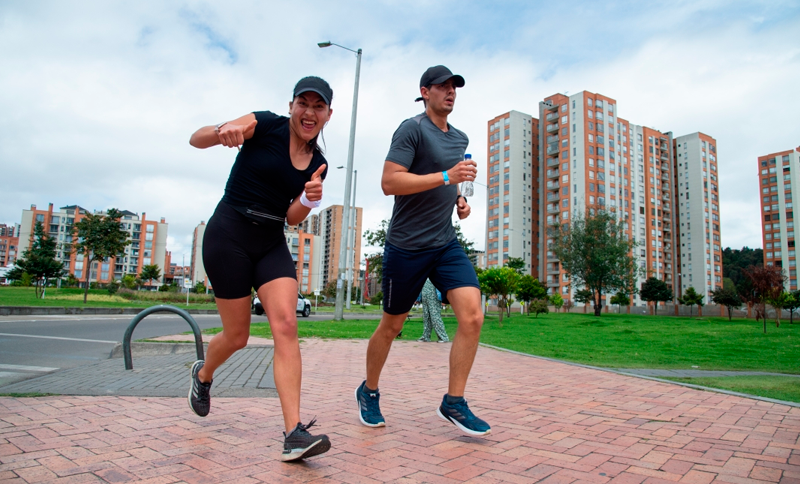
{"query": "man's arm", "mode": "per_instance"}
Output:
(396, 179)
(233, 133)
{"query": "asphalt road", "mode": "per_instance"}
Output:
(34, 345)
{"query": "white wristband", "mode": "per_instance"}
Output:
(308, 203)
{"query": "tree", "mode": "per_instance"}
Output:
(128, 281)
(200, 287)
(596, 253)
(150, 272)
(539, 306)
(516, 263)
(735, 262)
(779, 302)
(795, 304)
(584, 296)
(690, 298)
(71, 280)
(38, 261)
(330, 290)
(727, 297)
(764, 284)
(500, 282)
(655, 290)
(557, 301)
(528, 289)
(375, 238)
(568, 305)
(620, 299)
(100, 237)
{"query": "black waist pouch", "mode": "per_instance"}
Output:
(261, 216)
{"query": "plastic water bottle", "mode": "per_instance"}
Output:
(466, 187)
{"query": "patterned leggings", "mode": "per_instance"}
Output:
(432, 313)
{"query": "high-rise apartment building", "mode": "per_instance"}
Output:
(148, 246)
(587, 159)
(511, 202)
(9, 243)
(329, 225)
(778, 180)
(697, 225)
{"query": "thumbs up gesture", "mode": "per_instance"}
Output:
(314, 186)
(233, 135)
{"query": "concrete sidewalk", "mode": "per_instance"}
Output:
(552, 422)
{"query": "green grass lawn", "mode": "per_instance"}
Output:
(612, 340)
(98, 298)
(779, 387)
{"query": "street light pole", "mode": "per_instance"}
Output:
(340, 280)
(351, 237)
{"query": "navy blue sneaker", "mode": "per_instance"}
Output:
(369, 409)
(462, 417)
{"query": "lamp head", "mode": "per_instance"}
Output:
(322, 45)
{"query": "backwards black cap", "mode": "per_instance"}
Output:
(314, 84)
(439, 75)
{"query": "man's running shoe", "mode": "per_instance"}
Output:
(369, 409)
(299, 444)
(462, 417)
(199, 393)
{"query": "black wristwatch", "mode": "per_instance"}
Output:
(461, 196)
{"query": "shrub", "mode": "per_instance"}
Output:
(112, 287)
(539, 306)
(377, 298)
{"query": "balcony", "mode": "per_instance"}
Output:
(552, 139)
(552, 149)
(552, 127)
(552, 283)
(665, 196)
(553, 185)
(553, 162)
(552, 117)
(551, 257)
(552, 197)
(551, 209)
(665, 156)
(552, 173)
(665, 176)
(549, 106)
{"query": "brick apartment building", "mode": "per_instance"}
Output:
(581, 157)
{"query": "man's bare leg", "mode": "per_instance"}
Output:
(379, 345)
(466, 303)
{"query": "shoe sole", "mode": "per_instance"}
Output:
(358, 403)
(319, 447)
(460, 427)
(191, 387)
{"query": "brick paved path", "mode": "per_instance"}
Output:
(551, 423)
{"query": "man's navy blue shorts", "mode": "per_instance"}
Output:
(405, 271)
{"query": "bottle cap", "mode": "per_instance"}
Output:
(468, 156)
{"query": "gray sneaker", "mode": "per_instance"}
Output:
(199, 392)
(300, 444)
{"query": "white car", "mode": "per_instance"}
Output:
(303, 306)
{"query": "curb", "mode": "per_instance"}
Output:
(653, 378)
(47, 310)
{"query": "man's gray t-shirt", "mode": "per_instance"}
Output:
(424, 220)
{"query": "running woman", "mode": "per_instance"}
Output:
(424, 166)
(275, 180)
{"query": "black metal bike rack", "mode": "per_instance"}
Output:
(126, 340)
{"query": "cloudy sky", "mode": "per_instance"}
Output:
(98, 99)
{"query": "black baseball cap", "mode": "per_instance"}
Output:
(314, 84)
(438, 75)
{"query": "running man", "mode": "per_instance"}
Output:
(424, 166)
